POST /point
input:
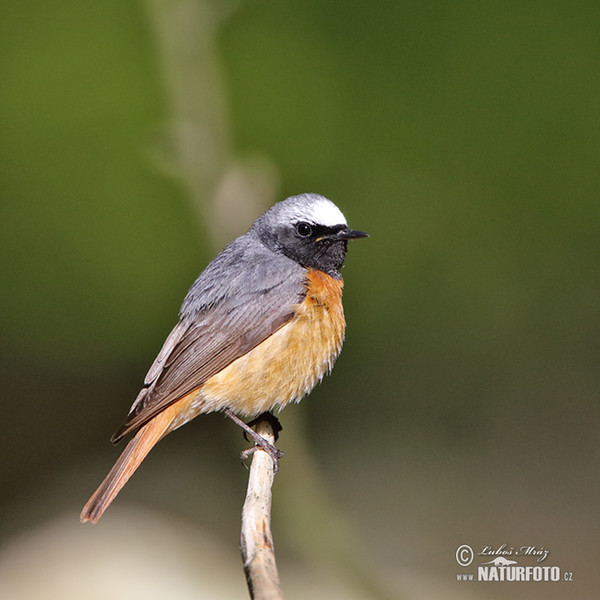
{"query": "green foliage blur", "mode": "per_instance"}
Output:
(463, 136)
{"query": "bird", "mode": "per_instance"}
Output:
(257, 330)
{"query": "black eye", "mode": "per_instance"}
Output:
(303, 229)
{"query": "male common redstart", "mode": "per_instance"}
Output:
(259, 328)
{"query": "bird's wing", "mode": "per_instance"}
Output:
(208, 339)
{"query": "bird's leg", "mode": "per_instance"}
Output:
(259, 441)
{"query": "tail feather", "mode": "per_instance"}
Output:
(135, 452)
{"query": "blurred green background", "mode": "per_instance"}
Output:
(137, 138)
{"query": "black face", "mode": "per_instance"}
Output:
(316, 246)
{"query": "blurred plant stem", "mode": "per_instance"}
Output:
(195, 146)
(315, 525)
(228, 193)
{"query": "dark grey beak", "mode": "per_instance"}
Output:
(350, 234)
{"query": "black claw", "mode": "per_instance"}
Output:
(271, 419)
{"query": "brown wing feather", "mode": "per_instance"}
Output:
(204, 344)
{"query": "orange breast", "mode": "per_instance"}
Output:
(287, 365)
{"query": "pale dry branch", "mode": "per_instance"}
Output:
(257, 549)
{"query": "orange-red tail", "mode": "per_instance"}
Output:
(135, 452)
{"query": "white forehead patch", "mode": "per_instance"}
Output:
(324, 212)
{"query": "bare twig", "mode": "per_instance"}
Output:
(258, 553)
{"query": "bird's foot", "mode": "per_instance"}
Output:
(271, 450)
(260, 443)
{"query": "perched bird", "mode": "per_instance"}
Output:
(258, 329)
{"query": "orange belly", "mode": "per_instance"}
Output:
(286, 366)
